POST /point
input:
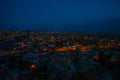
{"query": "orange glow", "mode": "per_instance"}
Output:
(73, 48)
(33, 39)
(61, 49)
(95, 57)
(33, 66)
(101, 46)
(37, 51)
(23, 44)
(84, 48)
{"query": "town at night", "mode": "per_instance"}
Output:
(59, 39)
(48, 55)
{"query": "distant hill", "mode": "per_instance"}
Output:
(105, 26)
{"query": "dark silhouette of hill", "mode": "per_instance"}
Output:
(105, 26)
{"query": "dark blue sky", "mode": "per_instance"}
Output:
(77, 15)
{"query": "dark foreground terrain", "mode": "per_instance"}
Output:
(38, 55)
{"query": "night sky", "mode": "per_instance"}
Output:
(66, 15)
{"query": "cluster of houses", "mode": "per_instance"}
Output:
(43, 55)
